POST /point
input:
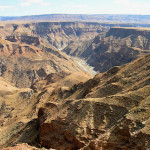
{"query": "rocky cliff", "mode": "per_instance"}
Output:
(58, 34)
(116, 47)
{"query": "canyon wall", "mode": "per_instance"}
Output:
(116, 47)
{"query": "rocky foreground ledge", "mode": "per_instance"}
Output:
(110, 111)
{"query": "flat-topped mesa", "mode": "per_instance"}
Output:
(128, 31)
(54, 26)
(136, 38)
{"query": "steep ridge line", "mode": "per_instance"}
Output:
(77, 102)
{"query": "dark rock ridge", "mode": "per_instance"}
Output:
(116, 47)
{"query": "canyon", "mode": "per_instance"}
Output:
(74, 85)
(118, 46)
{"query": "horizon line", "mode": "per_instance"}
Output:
(75, 14)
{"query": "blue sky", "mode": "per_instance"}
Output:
(35, 7)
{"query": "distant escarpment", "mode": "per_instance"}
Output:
(57, 34)
(140, 19)
(114, 48)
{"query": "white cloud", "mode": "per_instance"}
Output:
(114, 7)
(123, 3)
(30, 2)
(81, 6)
(133, 6)
(74, 8)
(2, 8)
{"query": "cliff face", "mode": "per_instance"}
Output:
(118, 46)
(63, 33)
(58, 34)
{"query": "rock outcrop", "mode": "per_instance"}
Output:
(16, 121)
(76, 123)
(24, 146)
(19, 107)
